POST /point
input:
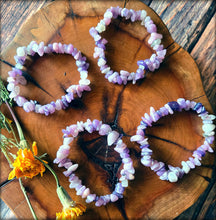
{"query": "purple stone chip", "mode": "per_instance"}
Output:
(174, 106)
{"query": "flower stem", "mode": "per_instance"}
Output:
(11, 129)
(27, 199)
(23, 142)
(14, 144)
(50, 169)
(7, 157)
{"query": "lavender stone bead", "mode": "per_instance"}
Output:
(120, 196)
(106, 198)
(174, 106)
(28, 106)
(104, 129)
(201, 110)
(113, 198)
(197, 106)
(151, 28)
(119, 189)
(81, 190)
(20, 101)
(90, 198)
(79, 186)
(64, 101)
(210, 139)
(99, 202)
(96, 124)
(143, 63)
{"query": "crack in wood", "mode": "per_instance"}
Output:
(204, 177)
(95, 12)
(28, 77)
(167, 56)
(208, 166)
(198, 97)
(51, 24)
(71, 13)
(4, 183)
(168, 141)
(105, 101)
(6, 62)
(121, 206)
(125, 3)
(170, 45)
(77, 103)
(118, 108)
(138, 49)
(109, 218)
(110, 167)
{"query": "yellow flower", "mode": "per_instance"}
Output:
(71, 210)
(71, 213)
(25, 165)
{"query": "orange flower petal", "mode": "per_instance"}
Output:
(66, 214)
(71, 213)
(26, 165)
(11, 175)
(34, 148)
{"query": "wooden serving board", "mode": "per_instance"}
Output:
(120, 106)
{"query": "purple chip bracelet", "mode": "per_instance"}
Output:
(172, 174)
(113, 137)
(143, 65)
(16, 77)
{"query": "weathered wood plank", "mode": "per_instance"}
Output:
(6, 212)
(14, 14)
(205, 56)
(207, 203)
(185, 19)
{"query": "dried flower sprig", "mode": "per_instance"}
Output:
(28, 164)
(8, 143)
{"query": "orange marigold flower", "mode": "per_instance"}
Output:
(71, 212)
(25, 165)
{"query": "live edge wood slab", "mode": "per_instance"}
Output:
(172, 139)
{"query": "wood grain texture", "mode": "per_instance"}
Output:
(203, 57)
(14, 15)
(163, 202)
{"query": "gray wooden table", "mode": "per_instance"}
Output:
(191, 24)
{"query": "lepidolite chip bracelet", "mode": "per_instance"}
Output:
(113, 137)
(16, 77)
(172, 174)
(143, 65)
